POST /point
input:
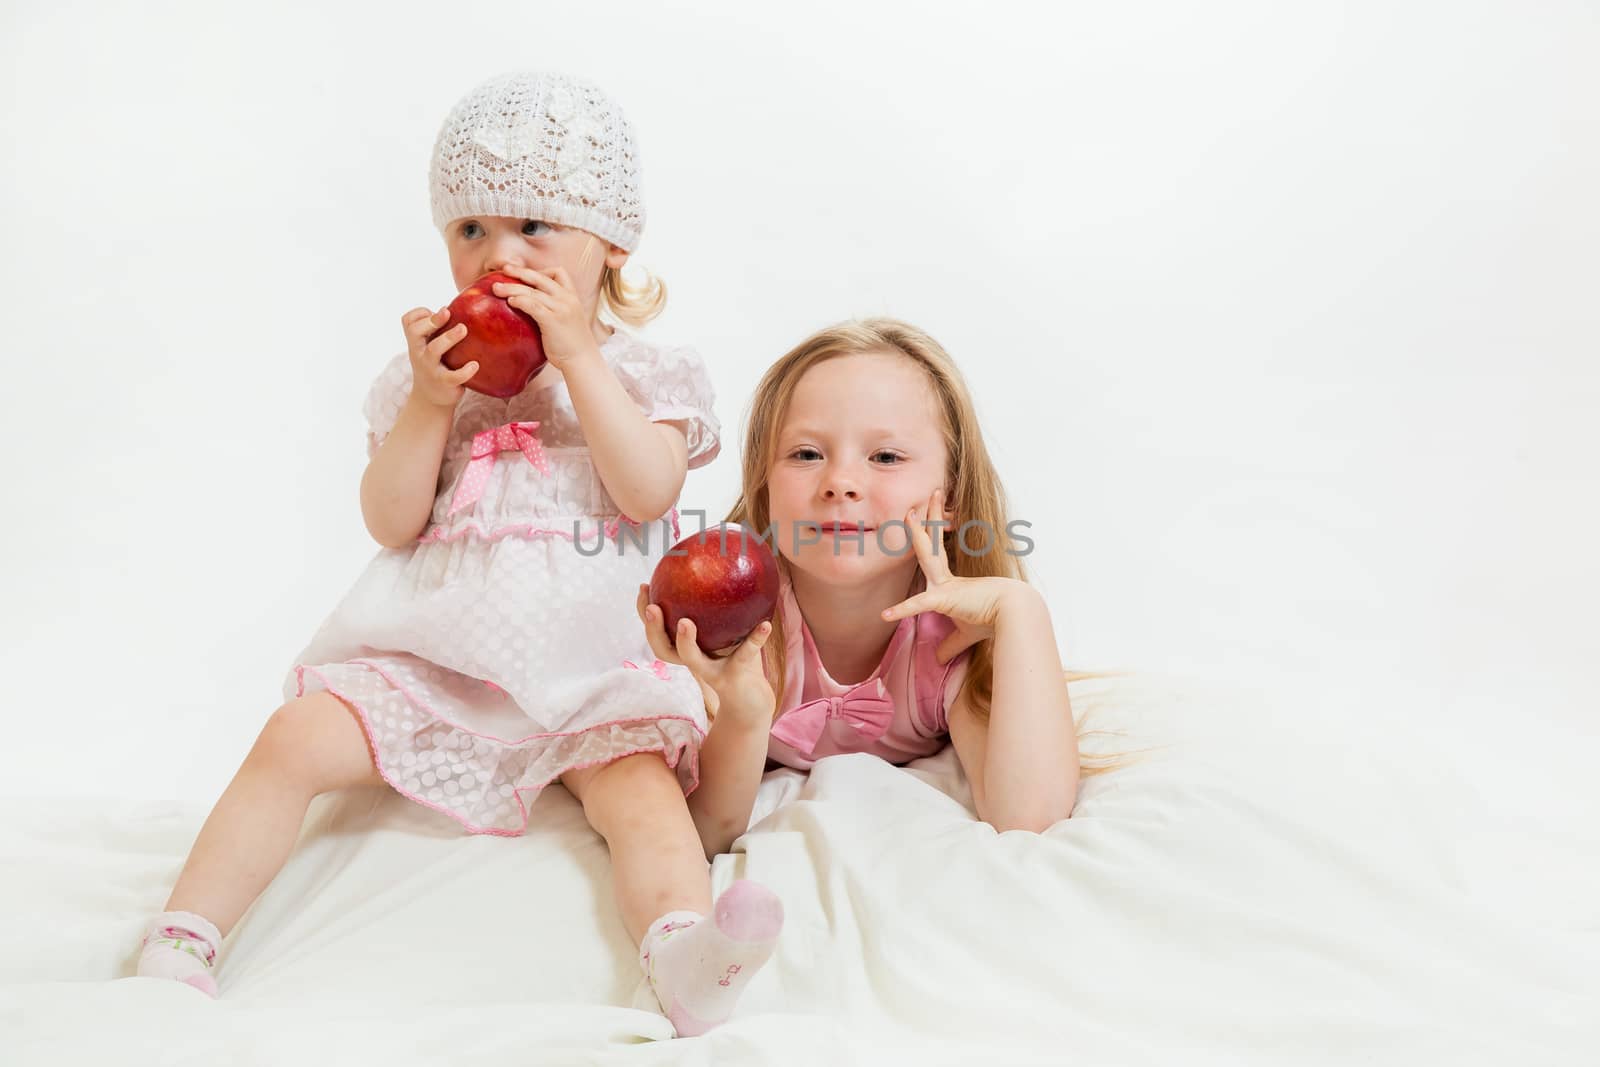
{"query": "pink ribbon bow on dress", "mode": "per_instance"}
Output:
(512, 437)
(865, 708)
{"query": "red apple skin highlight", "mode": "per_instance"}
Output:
(725, 592)
(504, 341)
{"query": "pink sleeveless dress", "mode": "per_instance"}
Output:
(899, 712)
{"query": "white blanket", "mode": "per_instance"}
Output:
(1248, 893)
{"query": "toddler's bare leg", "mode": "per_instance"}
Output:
(658, 864)
(697, 957)
(311, 745)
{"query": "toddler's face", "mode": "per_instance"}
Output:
(863, 441)
(484, 243)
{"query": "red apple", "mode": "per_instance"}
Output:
(504, 341)
(724, 580)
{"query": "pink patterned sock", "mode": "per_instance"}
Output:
(698, 967)
(182, 946)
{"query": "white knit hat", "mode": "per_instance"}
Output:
(539, 146)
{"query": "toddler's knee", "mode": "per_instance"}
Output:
(288, 744)
(639, 767)
(627, 789)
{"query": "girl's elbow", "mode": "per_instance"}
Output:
(716, 840)
(647, 507)
(651, 513)
(389, 538)
(1032, 823)
(1034, 818)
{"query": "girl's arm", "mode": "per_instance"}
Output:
(740, 704)
(1022, 763)
(399, 486)
(641, 463)
(732, 760)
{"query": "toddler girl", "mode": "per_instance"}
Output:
(489, 649)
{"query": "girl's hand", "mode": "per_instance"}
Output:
(553, 302)
(736, 682)
(973, 604)
(431, 381)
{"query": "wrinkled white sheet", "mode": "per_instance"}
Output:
(1246, 894)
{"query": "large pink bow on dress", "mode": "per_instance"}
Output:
(865, 708)
(512, 437)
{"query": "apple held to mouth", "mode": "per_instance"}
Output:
(503, 341)
(723, 579)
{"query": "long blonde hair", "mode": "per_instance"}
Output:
(973, 489)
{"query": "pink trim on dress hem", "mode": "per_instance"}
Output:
(672, 757)
(425, 706)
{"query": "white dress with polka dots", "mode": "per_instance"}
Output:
(501, 648)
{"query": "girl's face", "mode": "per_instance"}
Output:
(861, 443)
(483, 243)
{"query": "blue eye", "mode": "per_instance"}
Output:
(467, 228)
(536, 224)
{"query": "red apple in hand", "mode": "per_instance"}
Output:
(724, 580)
(504, 342)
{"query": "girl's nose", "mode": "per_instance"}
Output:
(840, 488)
(506, 252)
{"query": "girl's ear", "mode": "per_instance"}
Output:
(615, 257)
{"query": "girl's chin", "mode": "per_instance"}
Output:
(819, 562)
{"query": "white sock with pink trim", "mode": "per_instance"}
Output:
(698, 967)
(182, 946)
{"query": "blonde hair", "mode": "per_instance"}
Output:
(973, 488)
(633, 305)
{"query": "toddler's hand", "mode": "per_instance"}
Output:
(736, 681)
(431, 381)
(551, 300)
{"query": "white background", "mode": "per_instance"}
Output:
(1281, 320)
